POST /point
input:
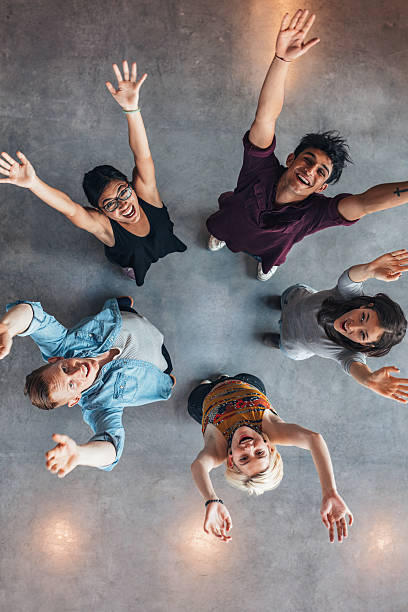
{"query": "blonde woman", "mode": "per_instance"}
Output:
(241, 428)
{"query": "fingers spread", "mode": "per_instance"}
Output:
(134, 72)
(117, 73)
(4, 165)
(309, 23)
(302, 20)
(285, 22)
(295, 18)
(8, 158)
(125, 66)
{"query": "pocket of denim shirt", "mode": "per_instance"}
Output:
(120, 386)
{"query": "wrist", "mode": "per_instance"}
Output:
(131, 109)
(370, 267)
(282, 59)
(213, 500)
(330, 492)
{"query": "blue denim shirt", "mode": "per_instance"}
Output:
(121, 382)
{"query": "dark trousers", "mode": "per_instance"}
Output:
(124, 306)
(197, 396)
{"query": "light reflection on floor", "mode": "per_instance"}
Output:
(60, 541)
(202, 551)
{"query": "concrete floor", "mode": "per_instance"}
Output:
(131, 540)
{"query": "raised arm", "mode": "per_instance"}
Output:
(14, 322)
(290, 44)
(333, 509)
(387, 267)
(22, 174)
(380, 197)
(67, 455)
(217, 518)
(127, 96)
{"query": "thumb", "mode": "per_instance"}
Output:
(142, 80)
(389, 369)
(110, 87)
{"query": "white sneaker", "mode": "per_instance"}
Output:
(214, 244)
(264, 277)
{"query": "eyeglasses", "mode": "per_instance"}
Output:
(122, 196)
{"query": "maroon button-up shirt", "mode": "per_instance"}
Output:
(249, 220)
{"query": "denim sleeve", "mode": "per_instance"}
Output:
(44, 329)
(106, 423)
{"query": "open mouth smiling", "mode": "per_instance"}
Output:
(302, 179)
(244, 439)
(129, 212)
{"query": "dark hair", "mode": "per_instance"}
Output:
(38, 389)
(335, 147)
(389, 313)
(96, 180)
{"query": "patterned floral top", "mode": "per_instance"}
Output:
(232, 404)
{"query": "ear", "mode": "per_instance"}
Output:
(54, 359)
(74, 401)
(321, 188)
(230, 462)
(290, 159)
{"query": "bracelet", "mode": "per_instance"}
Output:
(211, 501)
(283, 60)
(136, 110)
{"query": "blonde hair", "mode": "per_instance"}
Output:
(264, 481)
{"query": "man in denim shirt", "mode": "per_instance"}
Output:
(102, 364)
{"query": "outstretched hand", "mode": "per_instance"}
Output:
(6, 341)
(384, 384)
(390, 266)
(18, 173)
(218, 521)
(334, 512)
(290, 43)
(127, 93)
(64, 457)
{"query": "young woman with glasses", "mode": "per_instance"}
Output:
(128, 217)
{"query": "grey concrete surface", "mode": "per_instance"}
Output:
(131, 540)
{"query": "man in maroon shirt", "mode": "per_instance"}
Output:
(274, 207)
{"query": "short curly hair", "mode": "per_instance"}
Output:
(331, 143)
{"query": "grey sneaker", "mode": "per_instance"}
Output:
(214, 244)
(264, 277)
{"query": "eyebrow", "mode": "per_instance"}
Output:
(314, 157)
(117, 192)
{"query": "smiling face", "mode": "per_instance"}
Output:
(68, 378)
(249, 451)
(307, 173)
(128, 210)
(360, 325)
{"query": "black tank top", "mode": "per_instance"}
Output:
(130, 251)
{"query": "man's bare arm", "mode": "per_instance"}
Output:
(289, 46)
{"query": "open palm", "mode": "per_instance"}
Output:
(290, 43)
(18, 173)
(127, 93)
